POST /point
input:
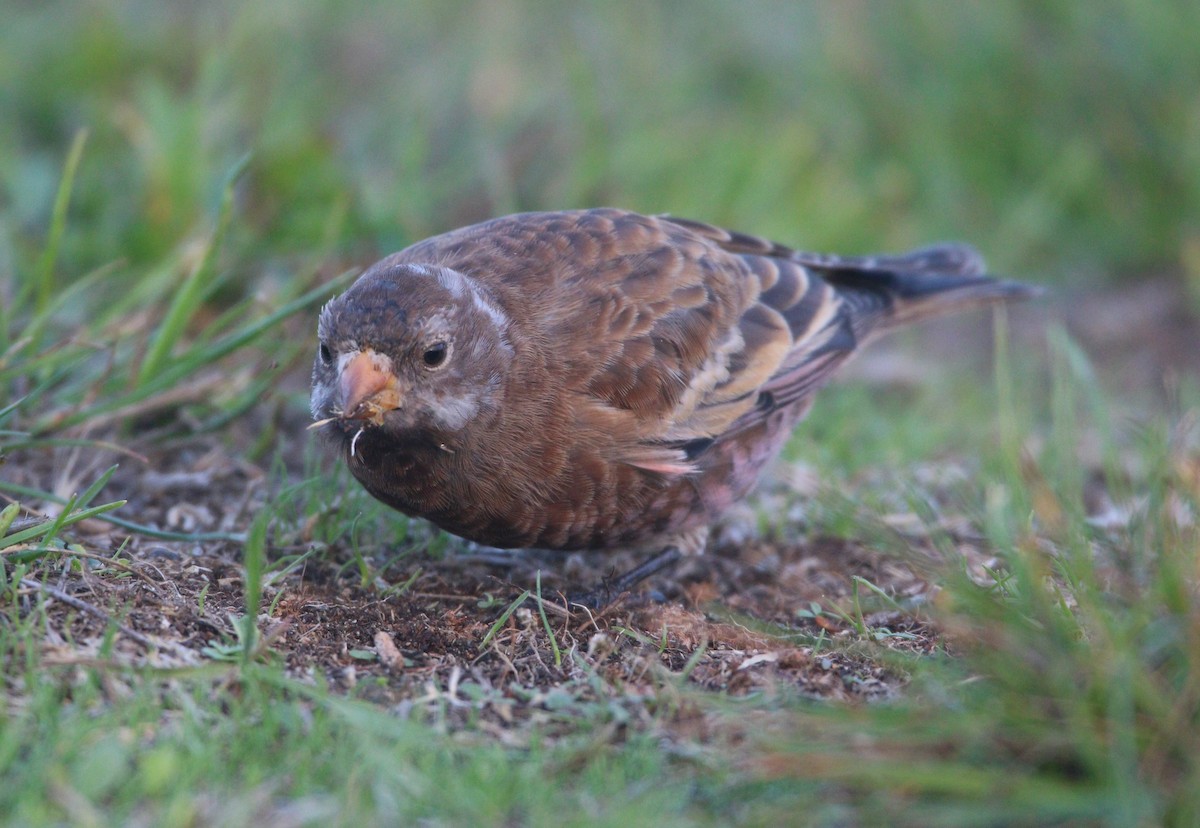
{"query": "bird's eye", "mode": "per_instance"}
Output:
(435, 355)
(325, 354)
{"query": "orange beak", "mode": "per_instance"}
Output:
(369, 388)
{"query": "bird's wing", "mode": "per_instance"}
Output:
(833, 304)
(948, 258)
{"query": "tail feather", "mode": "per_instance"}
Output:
(891, 299)
(947, 258)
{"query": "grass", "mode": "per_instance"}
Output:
(311, 758)
(182, 186)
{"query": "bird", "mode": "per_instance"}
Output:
(601, 379)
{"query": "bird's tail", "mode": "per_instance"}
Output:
(892, 299)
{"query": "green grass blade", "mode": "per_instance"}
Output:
(504, 616)
(546, 622)
(255, 563)
(89, 494)
(137, 528)
(188, 298)
(51, 528)
(179, 369)
(8, 516)
(58, 225)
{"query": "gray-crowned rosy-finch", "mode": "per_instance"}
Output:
(599, 379)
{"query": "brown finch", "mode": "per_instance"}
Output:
(599, 379)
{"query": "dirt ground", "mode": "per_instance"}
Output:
(756, 615)
(729, 621)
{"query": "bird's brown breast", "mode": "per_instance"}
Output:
(559, 494)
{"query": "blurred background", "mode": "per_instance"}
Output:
(1062, 138)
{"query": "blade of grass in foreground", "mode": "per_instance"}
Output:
(187, 299)
(58, 223)
(137, 528)
(51, 528)
(196, 359)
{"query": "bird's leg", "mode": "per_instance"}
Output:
(688, 544)
(612, 588)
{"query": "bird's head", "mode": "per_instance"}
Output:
(411, 352)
